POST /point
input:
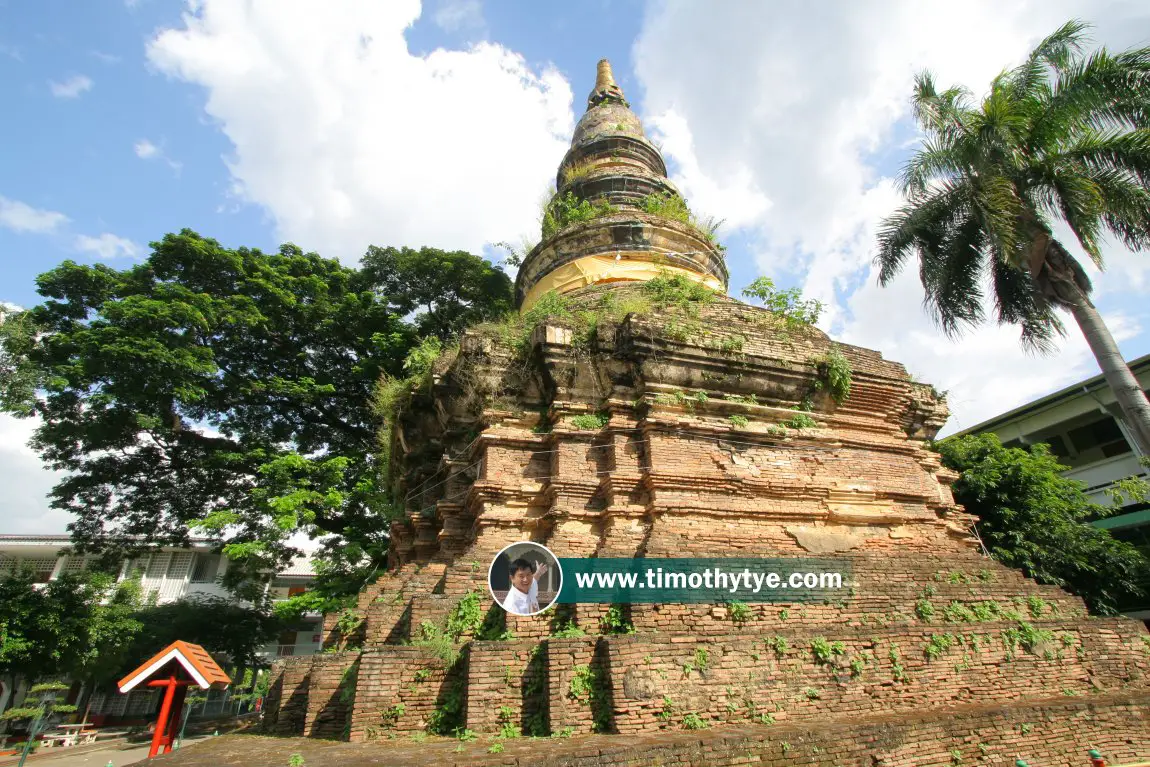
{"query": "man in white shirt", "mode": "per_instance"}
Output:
(523, 597)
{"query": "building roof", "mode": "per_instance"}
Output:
(1139, 365)
(194, 659)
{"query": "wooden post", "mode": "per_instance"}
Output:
(165, 712)
(174, 720)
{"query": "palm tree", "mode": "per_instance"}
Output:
(1064, 136)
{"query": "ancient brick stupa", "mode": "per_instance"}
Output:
(635, 410)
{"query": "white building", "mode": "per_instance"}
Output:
(169, 574)
(1083, 426)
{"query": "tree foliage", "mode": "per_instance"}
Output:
(1033, 519)
(80, 625)
(450, 289)
(227, 391)
(1063, 136)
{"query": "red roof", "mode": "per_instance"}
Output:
(194, 659)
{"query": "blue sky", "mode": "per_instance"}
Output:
(341, 124)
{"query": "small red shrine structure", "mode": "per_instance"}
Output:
(174, 668)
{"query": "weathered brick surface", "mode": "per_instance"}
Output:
(507, 676)
(331, 690)
(566, 660)
(666, 682)
(1046, 733)
(287, 703)
(400, 688)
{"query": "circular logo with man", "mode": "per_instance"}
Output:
(525, 578)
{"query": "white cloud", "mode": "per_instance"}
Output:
(71, 88)
(453, 15)
(146, 149)
(349, 140)
(806, 105)
(21, 217)
(107, 246)
(107, 58)
(26, 482)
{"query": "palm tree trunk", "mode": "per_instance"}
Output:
(1130, 397)
(1061, 279)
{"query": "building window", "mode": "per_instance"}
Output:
(41, 568)
(206, 568)
(1103, 434)
(180, 564)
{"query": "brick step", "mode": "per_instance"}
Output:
(1049, 731)
(669, 682)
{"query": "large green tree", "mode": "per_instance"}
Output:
(1065, 136)
(447, 290)
(224, 390)
(1034, 519)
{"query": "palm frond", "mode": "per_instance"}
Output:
(1000, 210)
(1080, 203)
(939, 113)
(1016, 302)
(951, 277)
(1101, 91)
(939, 159)
(920, 226)
(1112, 149)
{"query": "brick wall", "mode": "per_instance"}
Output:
(400, 688)
(287, 704)
(507, 674)
(567, 660)
(331, 691)
(676, 681)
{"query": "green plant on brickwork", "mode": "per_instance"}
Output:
(668, 709)
(787, 305)
(1036, 605)
(615, 621)
(857, 666)
(495, 748)
(778, 644)
(765, 718)
(390, 716)
(1025, 728)
(422, 674)
(698, 662)
(577, 172)
(295, 760)
(955, 757)
(826, 651)
(924, 609)
(747, 400)
(535, 724)
(778, 431)
(466, 617)
(784, 614)
(985, 575)
(568, 630)
(1026, 636)
(1068, 692)
(566, 209)
(739, 611)
(506, 714)
(957, 612)
(812, 694)
(509, 730)
(590, 421)
(800, 421)
(732, 345)
(738, 421)
(834, 375)
(677, 291)
(692, 721)
(447, 717)
(985, 611)
(937, 645)
(580, 685)
(755, 656)
(786, 747)
(349, 622)
(983, 749)
(566, 732)
(465, 735)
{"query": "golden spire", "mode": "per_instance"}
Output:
(603, 76)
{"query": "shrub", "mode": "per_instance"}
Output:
(590, 421)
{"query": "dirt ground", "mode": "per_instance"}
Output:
(242, 750)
